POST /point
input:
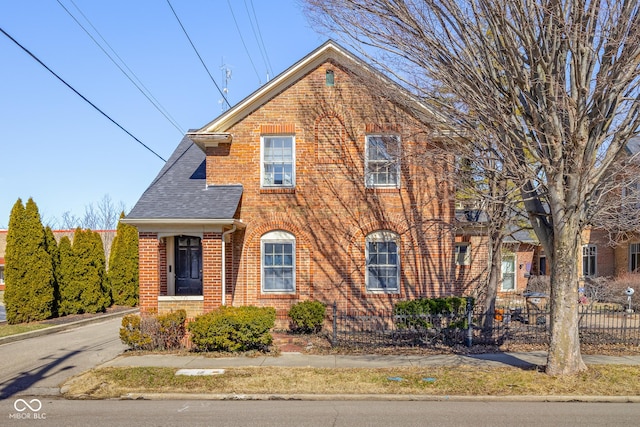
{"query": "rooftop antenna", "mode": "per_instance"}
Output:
(226, 76)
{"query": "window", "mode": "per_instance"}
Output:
(1, 275)
(631, 195)
(542, 265)
(463, 254)
(278, 161)
(589, 256)
(383, 262)
(508, 272)
(382, 164)
(634, 257)
(278, 262)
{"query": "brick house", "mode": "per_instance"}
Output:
(320, 185)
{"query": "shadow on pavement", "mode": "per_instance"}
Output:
(27, 379)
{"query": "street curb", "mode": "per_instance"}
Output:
(59, 328)
(377, 397)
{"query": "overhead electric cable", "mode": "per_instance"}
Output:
(261, 45)
(243, 43)
(146, 94)
(79, 94)
(199, 57)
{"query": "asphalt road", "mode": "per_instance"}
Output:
(57, 412)
(37, 366)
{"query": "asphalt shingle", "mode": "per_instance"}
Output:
(180, 191)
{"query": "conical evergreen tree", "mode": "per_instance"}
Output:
(54, 252)
(68, 302)
(30, 271)
(89, 272)
(123, 265)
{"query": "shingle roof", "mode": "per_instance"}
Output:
(180, 191)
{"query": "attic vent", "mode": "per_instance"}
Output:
(329, 78)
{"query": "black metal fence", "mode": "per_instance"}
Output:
(527, 324)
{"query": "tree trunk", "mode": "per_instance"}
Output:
(564, 349)
(495, 264)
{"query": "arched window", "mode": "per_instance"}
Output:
(383, 262)
(278, 259)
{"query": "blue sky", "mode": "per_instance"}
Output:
(55, 148)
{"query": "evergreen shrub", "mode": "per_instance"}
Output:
(307, 316)
(233, 329)
(417, 313)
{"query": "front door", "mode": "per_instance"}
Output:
(188, 266)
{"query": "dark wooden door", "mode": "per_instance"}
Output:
(188, 266)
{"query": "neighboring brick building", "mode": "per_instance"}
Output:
(316, 186)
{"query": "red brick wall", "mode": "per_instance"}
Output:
(330, 211)
(148, 250)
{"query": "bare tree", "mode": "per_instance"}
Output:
(553, 84)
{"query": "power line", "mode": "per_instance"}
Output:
(261, 46)
(147, 94)
(196, 51)
(79, 94)
(243, 43)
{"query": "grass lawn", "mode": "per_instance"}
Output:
(6, 330)
(609, 380)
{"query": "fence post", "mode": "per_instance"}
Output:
(469, 309)
(335, 324)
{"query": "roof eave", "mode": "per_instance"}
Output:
(138, 222)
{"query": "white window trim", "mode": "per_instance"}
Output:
(467, 255)
(515, 282)
(277, 236)
(366, 161)
(595, 260)
(293, 160)
(637, 253)
(382, 236)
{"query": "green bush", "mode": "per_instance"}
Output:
(29, 278)
(164, 332)
(307, 316)
(233, 329)
(417, 313)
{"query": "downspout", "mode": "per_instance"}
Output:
(224, 263)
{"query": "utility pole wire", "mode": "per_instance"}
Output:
(146, 93)
(198, 54)
(79, 94)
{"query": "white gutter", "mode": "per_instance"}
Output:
(180, 221)
(224, 262)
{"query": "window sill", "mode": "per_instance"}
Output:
(285, 190)
(180, 298)
(278, 296)
(377, 293)
(382, 190)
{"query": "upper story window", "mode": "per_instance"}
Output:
(382, 161)
(383, 262)
(278, 262)
(589, 258)
(634, 257)
(463, 254)
(278, 164)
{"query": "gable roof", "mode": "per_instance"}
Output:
(180, 192)
(215, 131)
